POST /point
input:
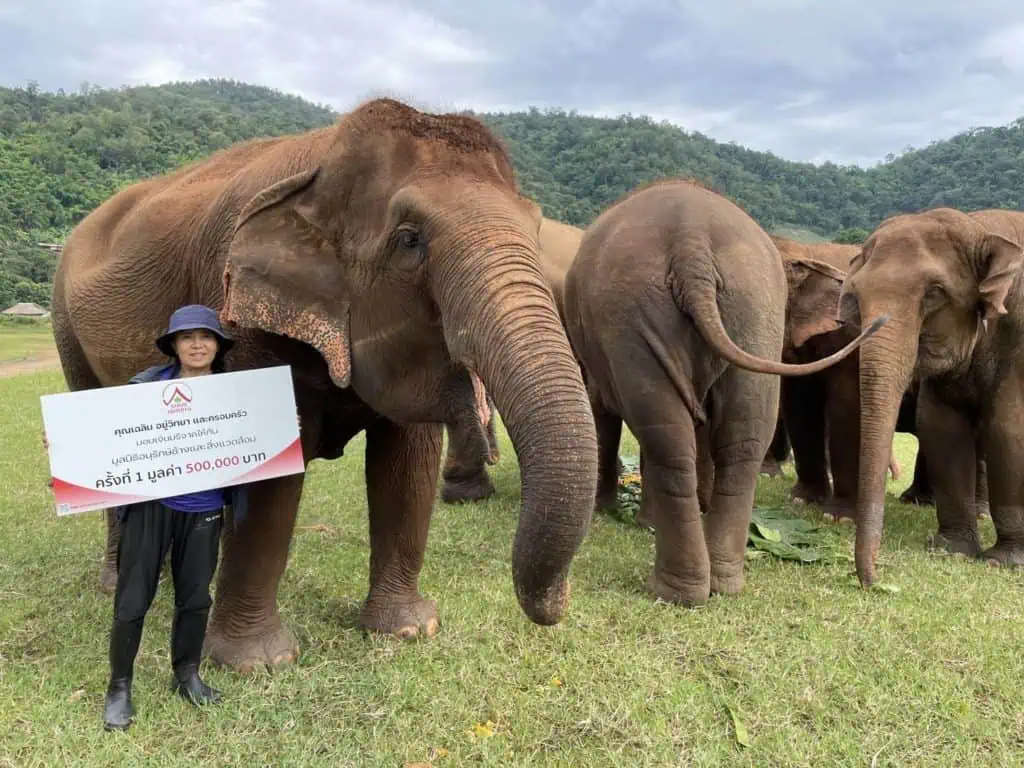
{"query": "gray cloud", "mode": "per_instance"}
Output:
(844, 80)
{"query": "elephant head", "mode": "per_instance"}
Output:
(399, 247)
(814, 288)
(941, 276)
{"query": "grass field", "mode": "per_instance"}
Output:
(21, 342)
(817, 671)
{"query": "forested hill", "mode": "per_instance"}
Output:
(62, 154)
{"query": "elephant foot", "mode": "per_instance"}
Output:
(965, 544)
(644, 518)
(915, 495)
(677, 591)
(806, 493)
(1004, 555)
(272, 646)
(108, 578)
(840, 511)
(406, 619)
(771, 468)
(476, 488)
(727, 581)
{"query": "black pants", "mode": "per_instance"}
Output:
(147, 531)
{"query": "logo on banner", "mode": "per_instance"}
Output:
(177, 397)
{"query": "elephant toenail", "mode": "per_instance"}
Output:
(433, 627)
(407, 633)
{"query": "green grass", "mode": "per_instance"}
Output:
(20, 342)
(820, 672)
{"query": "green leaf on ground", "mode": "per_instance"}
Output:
(773, 530)
(742, 737)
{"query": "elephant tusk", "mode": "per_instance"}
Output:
(483, 410)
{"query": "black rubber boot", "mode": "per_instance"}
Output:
(124, 645)
(187, 636)
(190, 686)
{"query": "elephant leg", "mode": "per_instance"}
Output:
(842, 414)
(609, 435)
(1003, 443)
(465, 477)
(245, 629)
(920, 490)
(803, 409)
(401, 474)
(981, 505)
(778, 450)
(665, 431)
(949, 435)
(108, 569)
(743, 407)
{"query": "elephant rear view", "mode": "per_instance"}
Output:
(674, 305)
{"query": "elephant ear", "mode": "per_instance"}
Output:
(857, 260)
(1001, 267)
(814, 288)
(282, 275)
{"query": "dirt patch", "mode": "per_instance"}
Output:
(41, 361)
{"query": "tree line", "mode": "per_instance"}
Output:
(62, 154)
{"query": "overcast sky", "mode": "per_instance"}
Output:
(841, 80)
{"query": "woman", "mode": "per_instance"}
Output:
(188, 525)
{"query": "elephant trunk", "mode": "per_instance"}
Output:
(500, 321)
(886, 365)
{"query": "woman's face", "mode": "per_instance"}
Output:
(196, 350)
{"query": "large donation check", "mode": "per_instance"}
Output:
(138, 442)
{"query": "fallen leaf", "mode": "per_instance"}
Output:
(438, 752)
(742, 737)
(892, 589)
(769, 533)
(77, 695)
(556, 681)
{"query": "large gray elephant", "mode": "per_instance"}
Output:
(951, 283)
(465, 476)
(390, 260)
(675, 306)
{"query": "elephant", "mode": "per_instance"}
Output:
(465, 475)
(390, 261)
(950, 283)
(820, 412)
(670, 287)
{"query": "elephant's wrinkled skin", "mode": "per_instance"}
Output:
(388, 259)
(663, 283)
(465, 475)
(950, 282)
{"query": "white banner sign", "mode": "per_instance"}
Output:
(139, 442)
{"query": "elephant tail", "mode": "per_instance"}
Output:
(698, 296)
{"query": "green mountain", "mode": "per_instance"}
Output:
(61, 154)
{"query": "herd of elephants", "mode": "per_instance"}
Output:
(393, 263)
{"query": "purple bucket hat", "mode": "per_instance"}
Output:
(188, 318)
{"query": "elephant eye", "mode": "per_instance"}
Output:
(409, 238)
(409, 249)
